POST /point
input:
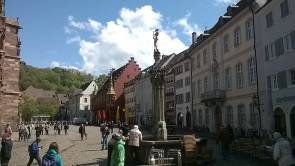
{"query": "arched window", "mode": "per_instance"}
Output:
(241, 116)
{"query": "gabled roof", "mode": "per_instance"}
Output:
(85, 86)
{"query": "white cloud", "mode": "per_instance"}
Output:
(73, 39)
(226, 1)
(91, 25)
(62, 65)
(130, 35)
(188, 28)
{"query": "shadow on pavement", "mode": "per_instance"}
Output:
(102, 161)
(88, 164)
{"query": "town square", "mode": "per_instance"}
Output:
(130, 83)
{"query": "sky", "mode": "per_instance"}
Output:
(96, 35)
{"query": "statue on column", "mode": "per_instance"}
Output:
(156, 50)
(155, 37)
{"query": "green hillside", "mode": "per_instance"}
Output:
(57, 79)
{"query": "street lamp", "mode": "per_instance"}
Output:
(111, 92)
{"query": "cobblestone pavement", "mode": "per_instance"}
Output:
(87, 153)
(73, 151)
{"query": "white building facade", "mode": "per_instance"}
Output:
(79, 103)
(143, 99)
(275, 41)
(224, 72)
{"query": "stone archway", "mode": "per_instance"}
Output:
(292, 122)
(280, 121)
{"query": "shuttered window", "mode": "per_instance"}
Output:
(279, 47)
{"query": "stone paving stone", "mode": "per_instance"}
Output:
(73, 151)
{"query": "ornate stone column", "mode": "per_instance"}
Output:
(158, 81)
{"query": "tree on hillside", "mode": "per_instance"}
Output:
(28, 109)
(57, 79)
(48, 107)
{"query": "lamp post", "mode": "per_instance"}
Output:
(111, 93)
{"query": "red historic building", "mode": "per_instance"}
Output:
(106, 108)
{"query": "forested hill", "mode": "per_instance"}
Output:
(57, 79)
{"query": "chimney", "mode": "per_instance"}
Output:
(194, 37)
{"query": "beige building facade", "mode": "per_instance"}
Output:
(224, 72)
(129, 95)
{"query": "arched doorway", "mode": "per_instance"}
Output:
(292, 122)
(280, 121)
(217, 118)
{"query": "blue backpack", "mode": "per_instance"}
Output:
(49, 160)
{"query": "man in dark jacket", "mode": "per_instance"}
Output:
(34, 152)
(225, 138)
(6, 151)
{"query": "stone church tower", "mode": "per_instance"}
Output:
(9, 68)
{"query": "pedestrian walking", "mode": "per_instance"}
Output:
(7, 132)
(282, 153)
(6, 148)
(29, 130)
(52, 156)
(34, 152)
(82, 131)
(58, 129)
(46, 129)
(111, 126)
(135, 136)
(104, 137)
(225, 139)
(118, 152)
(66, 127)
(38, 131)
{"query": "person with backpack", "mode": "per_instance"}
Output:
(52, 157)
(34, 152)
(6, 150)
